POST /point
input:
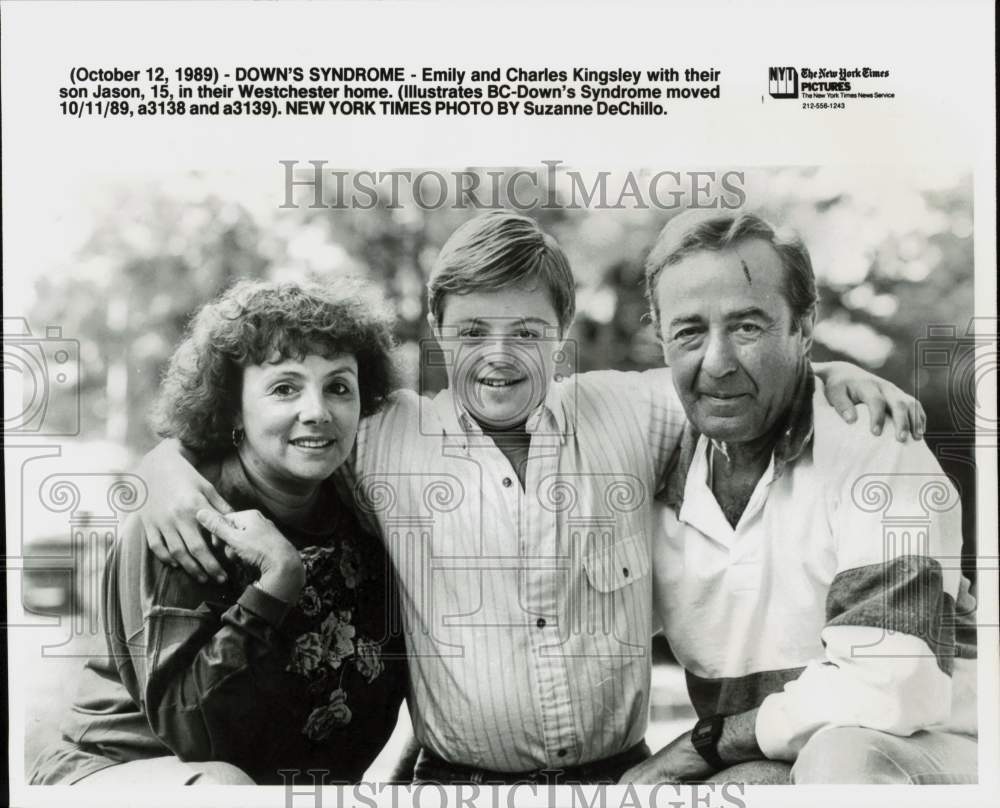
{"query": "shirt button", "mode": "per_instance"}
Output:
(540, 622)
(507, 482)
(625, 571)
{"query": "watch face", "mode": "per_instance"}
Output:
(702, 732)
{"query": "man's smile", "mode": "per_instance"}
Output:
(722, 396)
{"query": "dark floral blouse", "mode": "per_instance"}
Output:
(329, 651)
(227, 672)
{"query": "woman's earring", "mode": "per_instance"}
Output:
(238, 435)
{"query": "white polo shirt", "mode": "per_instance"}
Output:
(832, 601)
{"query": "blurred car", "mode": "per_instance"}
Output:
(63, 553)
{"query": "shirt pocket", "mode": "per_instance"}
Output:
(618, 565)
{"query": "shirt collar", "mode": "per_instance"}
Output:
(790, 446)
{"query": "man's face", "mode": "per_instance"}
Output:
(729, 338)
(499, 348)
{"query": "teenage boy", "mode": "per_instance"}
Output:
(517, 512)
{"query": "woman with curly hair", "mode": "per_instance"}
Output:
(294, 660)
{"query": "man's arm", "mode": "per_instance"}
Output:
(908, 711)
(846, 385)
(889, 637)
(680, 762)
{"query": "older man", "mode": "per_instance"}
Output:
(807, 572)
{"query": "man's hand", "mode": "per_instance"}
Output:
(847, 385)
(176, 493)
(253, 539)
(677, 762)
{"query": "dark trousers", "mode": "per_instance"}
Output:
(432, 769)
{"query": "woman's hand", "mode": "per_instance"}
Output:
(252, 538)
(176, 493)
(846, 385)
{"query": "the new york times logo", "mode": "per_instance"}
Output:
(783, 82)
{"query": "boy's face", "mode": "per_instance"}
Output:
(500, 350)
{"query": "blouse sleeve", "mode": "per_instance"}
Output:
(194, 656)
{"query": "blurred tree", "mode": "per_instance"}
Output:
(150, 262)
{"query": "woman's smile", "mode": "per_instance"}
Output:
(312, 444)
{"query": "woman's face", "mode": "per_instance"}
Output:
(299, 418)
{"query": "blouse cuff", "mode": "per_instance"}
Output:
(265, 606)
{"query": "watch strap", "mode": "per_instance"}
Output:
(705, 739)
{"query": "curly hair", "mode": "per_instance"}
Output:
(256, 322)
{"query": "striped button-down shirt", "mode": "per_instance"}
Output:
(527, 611)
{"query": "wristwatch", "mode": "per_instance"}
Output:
(705, 739)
